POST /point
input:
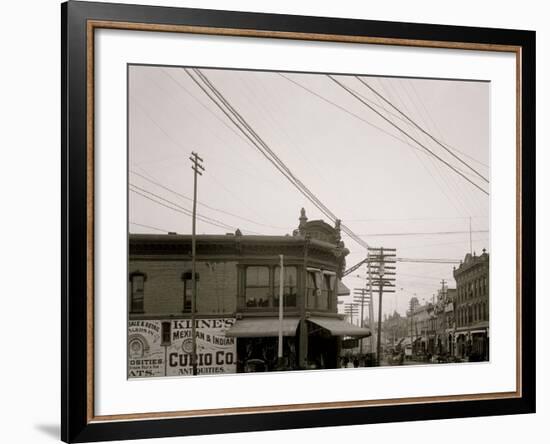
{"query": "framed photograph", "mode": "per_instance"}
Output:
(275, 221)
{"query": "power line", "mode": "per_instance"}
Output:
(406, 133)
(238, 120)
(183, 196)
(441, 186)
(455, 194)
(278, 162)
(423, 233)
(150, 227)
(176, 207)
(441, 182)
(419, 99)
(428, 261)
(357, 116)
(232, 117)
(422, 129)
(415, 218)
(347, 111)
(219, 118)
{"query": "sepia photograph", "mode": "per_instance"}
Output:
(291, 221)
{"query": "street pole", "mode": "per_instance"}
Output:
(411, 308)
(281, 287)
(371, 314)
(384, 258)
(380, 291)
(195, 159)
(360, 296)
(378, 342)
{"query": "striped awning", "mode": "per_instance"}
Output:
(262, 327)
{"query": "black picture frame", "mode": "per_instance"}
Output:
(77, 423)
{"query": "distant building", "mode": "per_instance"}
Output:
(445, 321)
(472, 308)
(395, 329)
(422, 329)
(237, 303)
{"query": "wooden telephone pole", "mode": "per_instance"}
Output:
(382, 277)
(197, 168)
(362, 297)
(350, 310)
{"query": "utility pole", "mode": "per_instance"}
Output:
(411, 312)
(361, 296)
(371, 308)
(350, 310)
(197, 168)
(385, 281)
(412, 306)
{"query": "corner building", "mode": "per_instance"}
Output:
(472, 308)
(237, 304)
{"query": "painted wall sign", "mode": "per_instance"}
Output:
(163, 347)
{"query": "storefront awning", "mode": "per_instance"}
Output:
(338, 327)
(262, 327)
(478, 332)
(407, 341)
(343, 290)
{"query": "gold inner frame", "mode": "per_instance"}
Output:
(92, 25)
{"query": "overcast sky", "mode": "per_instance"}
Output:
(362, 168)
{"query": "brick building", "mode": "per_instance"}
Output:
(237, 304)
(472, 308)
(445, 323)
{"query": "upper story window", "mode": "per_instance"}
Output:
(327, 289)
(313, 287)
(257, 286)
(320, 288)
(137, 287)
(187, 278)
(290, 288)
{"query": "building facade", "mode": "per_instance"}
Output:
(237, 303)
(472, 308)
(445, 322)
(421, 329)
